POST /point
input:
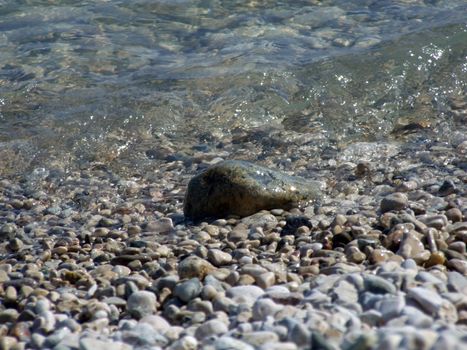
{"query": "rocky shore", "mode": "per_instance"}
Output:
(93, 260)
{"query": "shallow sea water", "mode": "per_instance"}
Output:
(112, 81)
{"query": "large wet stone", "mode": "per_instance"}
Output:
(242, 188)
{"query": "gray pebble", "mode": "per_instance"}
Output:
(210, 328)
(218, 258)
(185, 343)
(378, 285)
(228, 343)
(263, 308)
(188, 290)
(259, 338)
(96, 344)
(245, 294)
(141, 303)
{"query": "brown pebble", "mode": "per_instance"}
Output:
(436, 258)
(60, 250)
(245, 280)
(194, 266)
(308, 270)
(378, 256)
(265, 280)
(454, 214)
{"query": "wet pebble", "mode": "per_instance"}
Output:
(394, 202)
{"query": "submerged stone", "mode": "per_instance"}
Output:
(242, 188)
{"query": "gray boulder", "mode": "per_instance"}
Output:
(242, 188)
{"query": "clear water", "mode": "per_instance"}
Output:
(84, 81)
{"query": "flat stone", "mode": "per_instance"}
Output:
(457, 227)
(242, 188)
(416, 317)
(458, 265)
(378, 285)
(433, 303)
(457, 282)
(340, 268)
(259, 338)
(62, 338)
(210, 328)
(261, 219)
(436, 221)
(279, 346)
(228, 343)
(96, 344)
(245, 294)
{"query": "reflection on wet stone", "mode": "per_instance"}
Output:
(242, 188)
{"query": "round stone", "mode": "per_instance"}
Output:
(141, 303)
(454, 214)
(394, 202)
(194, 266)
(436, 258)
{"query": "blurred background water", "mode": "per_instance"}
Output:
(84, 81)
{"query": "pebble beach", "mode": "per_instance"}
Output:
(94, 260)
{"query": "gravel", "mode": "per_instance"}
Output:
(89, 261)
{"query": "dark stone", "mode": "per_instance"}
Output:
(394, 201)
(319, 342)
(448, 187)
(293, 222)
(341, 239)
(126, 259)
(242, 188)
